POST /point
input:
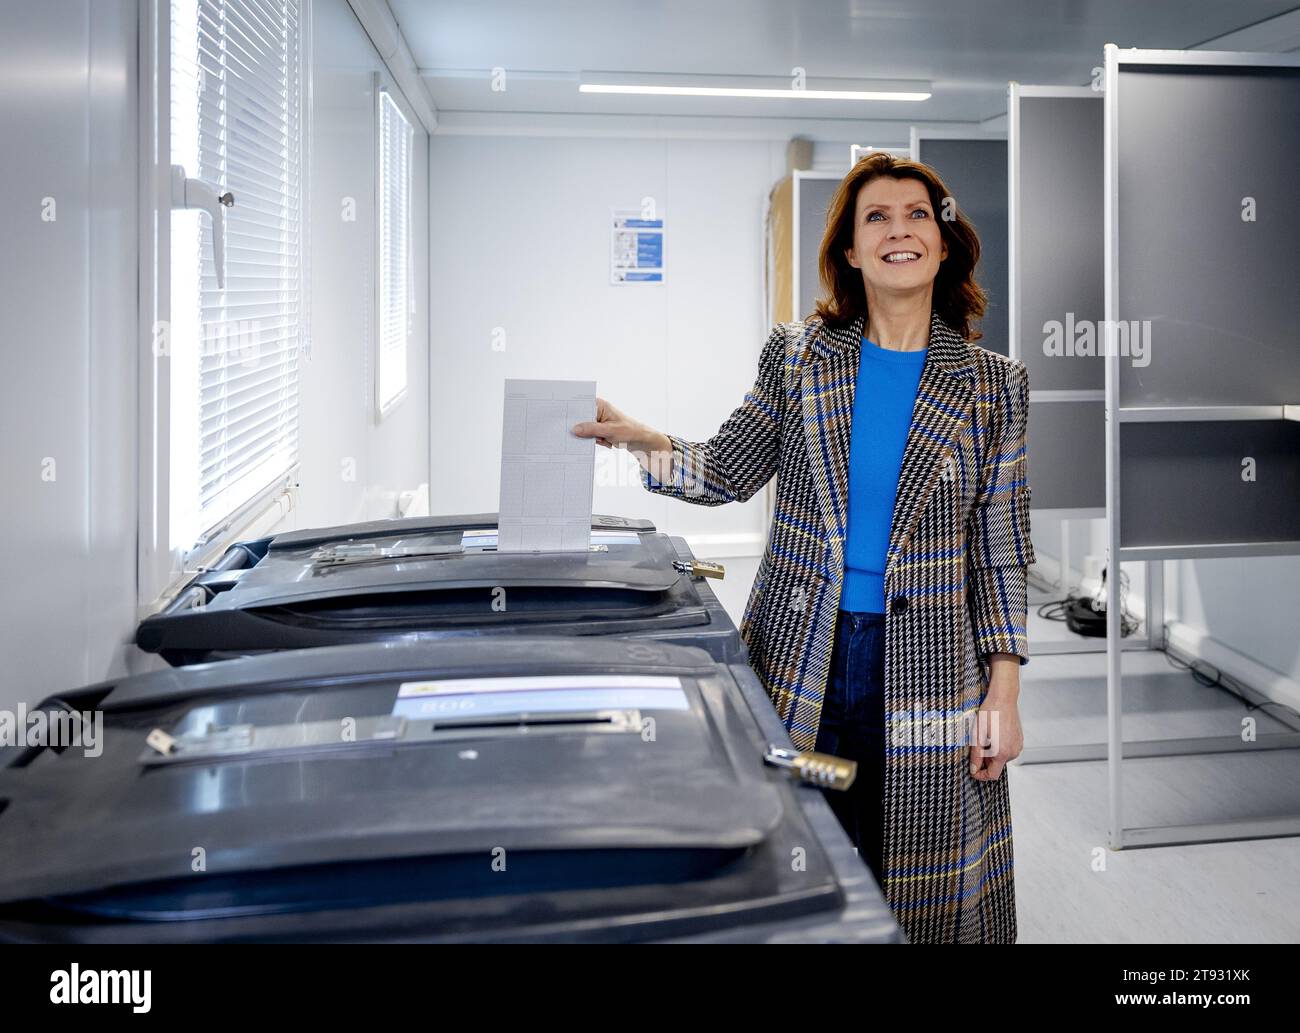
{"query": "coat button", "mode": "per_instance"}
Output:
(898, 604)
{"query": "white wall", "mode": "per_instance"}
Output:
(520, 241)
(67, 336)
(1252, 605)
(338, 430)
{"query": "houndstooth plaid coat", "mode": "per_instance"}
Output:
(954, 588)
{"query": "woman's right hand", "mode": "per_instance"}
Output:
(613, 429)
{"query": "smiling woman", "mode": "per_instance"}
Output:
(863, 226)
(888, 613)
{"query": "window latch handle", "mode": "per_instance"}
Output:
(188, 192)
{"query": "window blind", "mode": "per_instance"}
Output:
(395, 143)
(237, 107)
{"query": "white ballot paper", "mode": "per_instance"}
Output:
(547, 473)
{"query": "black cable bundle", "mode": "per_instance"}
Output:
(1082, 616)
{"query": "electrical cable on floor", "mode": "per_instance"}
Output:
(1081, 605)
(1056, 610)
(1222, 681)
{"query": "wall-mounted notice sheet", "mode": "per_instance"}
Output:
(547, 473)
(636, 247)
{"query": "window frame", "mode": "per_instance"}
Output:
(162, 570)
(384, 87)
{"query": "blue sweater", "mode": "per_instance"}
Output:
(882, 416)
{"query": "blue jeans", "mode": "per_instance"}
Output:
(853, 726)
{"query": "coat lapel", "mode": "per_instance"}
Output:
(941, 411)
(939, 416)
(829, 376)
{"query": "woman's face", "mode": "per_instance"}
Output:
(894, 218)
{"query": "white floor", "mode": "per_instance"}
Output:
(1070, 887)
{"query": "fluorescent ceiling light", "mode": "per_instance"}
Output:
(766, 87)
(727, 91)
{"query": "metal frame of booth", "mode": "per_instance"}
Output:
(796, 234)
(1016, 91)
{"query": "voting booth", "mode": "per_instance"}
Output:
(1055, 315)
(1202, 366)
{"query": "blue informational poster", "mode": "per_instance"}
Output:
(636, 247)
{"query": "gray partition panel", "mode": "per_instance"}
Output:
(1181, 483)
(976, 173)
(1062, 257)
(1219, 291)
(1065, 455)
(814, 199)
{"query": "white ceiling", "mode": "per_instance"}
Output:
(968, 49)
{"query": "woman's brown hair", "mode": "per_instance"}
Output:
(958, 299)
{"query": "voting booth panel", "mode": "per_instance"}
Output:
(1057, 302)
(1057, 229)
(1066, 455)
(812, 197)
(975, 170)
(1209, 232)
